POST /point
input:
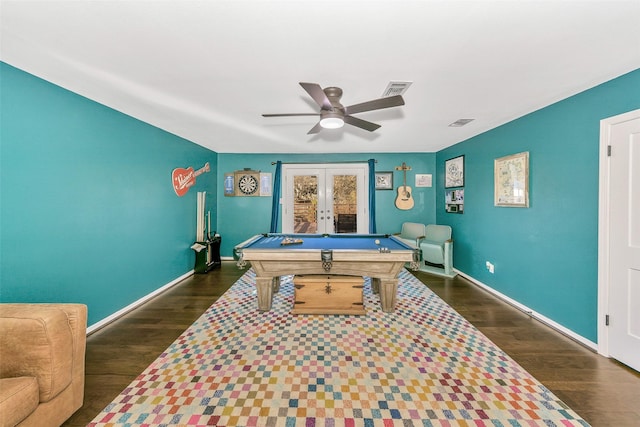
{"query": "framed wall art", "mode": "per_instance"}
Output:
(384, 180)
(511, 180)
(454, 172)
(265, 184)
(454, 201)
(424, 180)
(229, 184)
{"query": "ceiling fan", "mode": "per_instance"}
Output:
(333, 115)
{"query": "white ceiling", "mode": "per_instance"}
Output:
(207, 70)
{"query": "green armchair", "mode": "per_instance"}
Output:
(437, 250)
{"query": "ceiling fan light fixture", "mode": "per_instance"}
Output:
(333, 114)
(331, 121)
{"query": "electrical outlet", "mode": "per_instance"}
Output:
(490, 267)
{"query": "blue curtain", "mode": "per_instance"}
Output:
(372, 196)
(275, 203)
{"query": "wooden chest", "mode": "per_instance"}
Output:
(328, 294)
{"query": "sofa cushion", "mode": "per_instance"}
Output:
(18, 398)
(37, 343)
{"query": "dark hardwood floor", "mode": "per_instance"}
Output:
(603, 391)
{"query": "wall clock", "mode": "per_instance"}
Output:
(247, 183)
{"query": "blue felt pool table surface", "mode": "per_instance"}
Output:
(328, 241)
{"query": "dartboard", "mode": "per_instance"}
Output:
(248, 184)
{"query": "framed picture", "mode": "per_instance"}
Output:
(423, 180)
(454, 172)
(384, 180)
(265, 184)
(454, 201)
(511, 180)
(229, 184)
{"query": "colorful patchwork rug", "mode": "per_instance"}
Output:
(423, 365)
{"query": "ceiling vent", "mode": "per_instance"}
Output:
(396, 88)
(460, 122)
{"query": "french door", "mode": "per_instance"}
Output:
(325, 198)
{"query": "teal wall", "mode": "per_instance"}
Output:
(88, 214)
(545, 256)
(87, 210)
(243, 217)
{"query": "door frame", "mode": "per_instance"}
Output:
(362, 207)
(604, 199)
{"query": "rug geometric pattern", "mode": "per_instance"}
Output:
(423, 365)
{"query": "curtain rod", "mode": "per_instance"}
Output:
(313, 163)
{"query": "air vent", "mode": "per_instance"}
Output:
(396, 88)
(460, 122)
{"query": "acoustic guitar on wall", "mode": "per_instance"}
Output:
(404, 200)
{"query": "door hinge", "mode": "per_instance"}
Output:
(608, 151)
(606, 320)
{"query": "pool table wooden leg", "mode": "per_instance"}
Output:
(375, 285)
(388, 289)
(264, 287)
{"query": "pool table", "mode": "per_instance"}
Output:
(378, 256)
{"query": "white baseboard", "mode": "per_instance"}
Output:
(539, 317)
(104, 322)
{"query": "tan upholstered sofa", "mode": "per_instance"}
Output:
(42, 349)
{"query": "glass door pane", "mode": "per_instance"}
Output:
(305, 203)
(345, 203)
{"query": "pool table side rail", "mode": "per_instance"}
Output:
(274, 241)
(380, 270)
(338, 255)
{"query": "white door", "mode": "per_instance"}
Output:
(623, 313)
(325, 198)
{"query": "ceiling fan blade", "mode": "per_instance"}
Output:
(316, 129)
(317, 94)
(290, 114)
(363, 124)
(376, 104)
